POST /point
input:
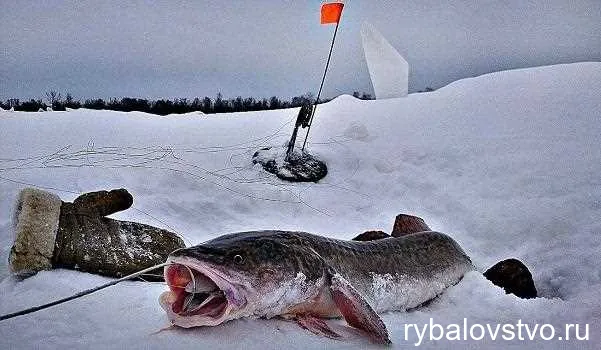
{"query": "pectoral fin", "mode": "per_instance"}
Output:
(356, 311)
(317, 326)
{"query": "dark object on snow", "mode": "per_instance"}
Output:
(406, 224)
(513, 276)
(299, 167)
(302, 119)
(51, 233)
(371, 236)
(304, 115)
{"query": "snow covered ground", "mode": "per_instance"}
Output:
(509, 164)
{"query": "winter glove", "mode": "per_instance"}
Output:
(50, 233)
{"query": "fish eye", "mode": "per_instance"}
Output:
(238, 259)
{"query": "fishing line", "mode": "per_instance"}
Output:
(80, 294)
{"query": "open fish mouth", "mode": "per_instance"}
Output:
(198, 295)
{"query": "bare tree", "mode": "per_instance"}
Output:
(13, 102)
(53, 97)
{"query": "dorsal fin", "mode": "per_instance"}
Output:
(371, 236)
(405, 224)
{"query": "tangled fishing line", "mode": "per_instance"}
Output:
(240, 179)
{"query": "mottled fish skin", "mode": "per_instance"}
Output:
(396, 273)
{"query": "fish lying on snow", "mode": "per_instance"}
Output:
(305, 277)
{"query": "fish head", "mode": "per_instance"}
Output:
(224, 279)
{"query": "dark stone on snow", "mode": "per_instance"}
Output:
(513, 276)
(407, 224)
(300, 167)
(371, 236)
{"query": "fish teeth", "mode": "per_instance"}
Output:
(200, 286)
(190, 299)
(206, 301)
(187, 301)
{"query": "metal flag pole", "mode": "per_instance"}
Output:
(323, 79)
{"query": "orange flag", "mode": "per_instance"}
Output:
(331, 12)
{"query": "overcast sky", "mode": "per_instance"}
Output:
(260, 48)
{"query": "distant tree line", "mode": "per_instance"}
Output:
(207, 105)
(362, 96)
(427, 89)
